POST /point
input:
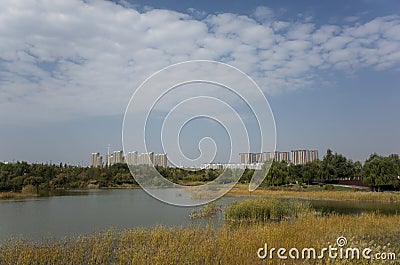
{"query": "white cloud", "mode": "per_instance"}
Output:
(263, 13)
(324, 33)
(60, 59)
(280, 25)
(300, 31)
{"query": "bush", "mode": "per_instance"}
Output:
(329, 187)
(29, 189)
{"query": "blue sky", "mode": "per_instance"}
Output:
(330, 69)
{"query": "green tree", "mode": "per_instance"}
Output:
(277, 174)
(336, 166)
(247, 175)
(295, 173)
(311, 171)
(327, 166)
(34, 181)
(381, 171)
(357, 169)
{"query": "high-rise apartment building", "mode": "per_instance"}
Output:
(146, 158)
(297, 157)
(313, 155)
(301, 157)
(132, 158)
(160, 160)
(246, 158)
(267, 156)
(115, 158)
(118, 157)
(251, 158)
(282, 156)
(96, 160)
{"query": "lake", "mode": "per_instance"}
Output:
(84, 212)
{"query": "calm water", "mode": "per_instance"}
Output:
(87, 211)
(84, 212)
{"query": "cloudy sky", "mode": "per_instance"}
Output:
(330, 69)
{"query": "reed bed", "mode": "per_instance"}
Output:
(197, 245)
(266, 209)
(16, 195)
(208, 210)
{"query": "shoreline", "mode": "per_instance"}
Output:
(241, 190)
(12, 195)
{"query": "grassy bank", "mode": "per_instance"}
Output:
(16, 195)
(227, 245)
(242, 190)
(11, 195)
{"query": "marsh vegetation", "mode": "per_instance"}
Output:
(257, 210)
(196, 245)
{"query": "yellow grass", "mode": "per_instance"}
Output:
(242, 190)
(227, 245)
(16, 195)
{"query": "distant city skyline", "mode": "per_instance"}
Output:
(330, 72)
(297, 157)
(132, 158)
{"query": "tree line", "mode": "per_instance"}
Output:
(16, 176)
(377, 172)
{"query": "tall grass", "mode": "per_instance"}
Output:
(265, 209)
(16, 195)
(208, 210)
(196, 245)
